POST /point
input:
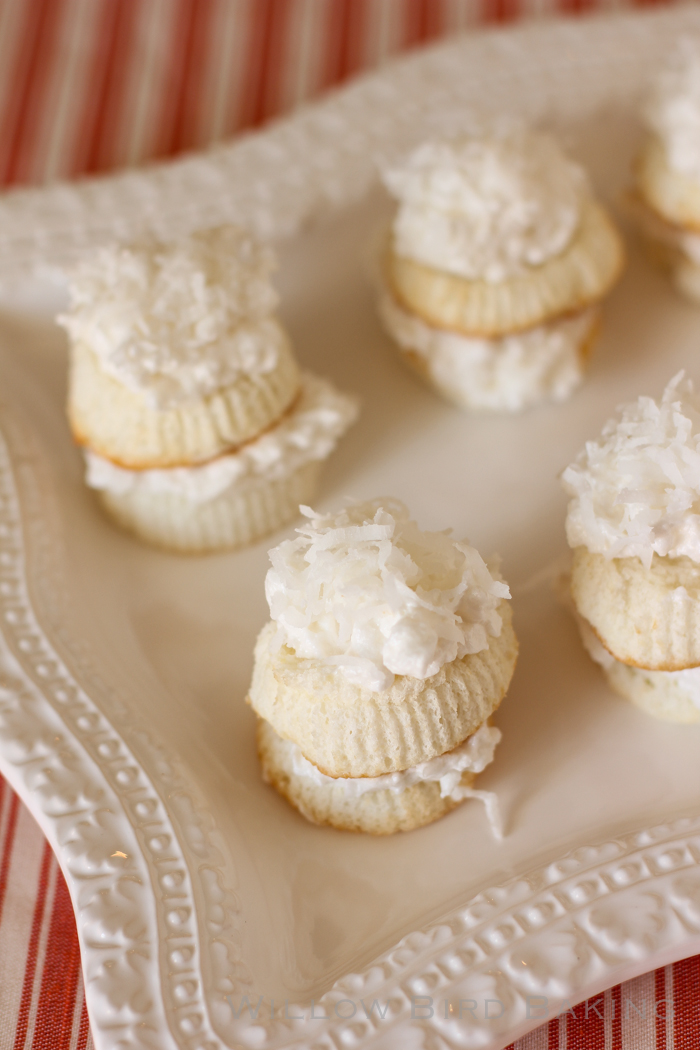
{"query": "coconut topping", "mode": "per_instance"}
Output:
(636, 491)
(487, 206)
(177, 321)
(307, 433)
(673, 109)
(366, 591)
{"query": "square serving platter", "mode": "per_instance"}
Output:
(210, 914)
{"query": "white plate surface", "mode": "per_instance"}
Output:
(123, 670)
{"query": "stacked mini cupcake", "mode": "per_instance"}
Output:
(200, 433)
(498, 259)
(387, 652)
(666, 195)
(634, 524)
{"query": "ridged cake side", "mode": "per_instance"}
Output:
(117, 423)
(647, 618)
(568, 283)
(234, 519)
(349, 731)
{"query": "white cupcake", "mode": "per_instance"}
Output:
(498, 259)
(634, 524)
(387, 652)
(199, 431)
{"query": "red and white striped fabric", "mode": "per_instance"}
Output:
(88, 86)
(92, 85)
(42, 1004)
(659, 1011)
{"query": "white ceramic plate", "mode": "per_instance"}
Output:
(123, 670)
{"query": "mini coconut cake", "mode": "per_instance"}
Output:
(387, 652)
(666, 194)
(499, 257)
(199, 431)
(634, 524)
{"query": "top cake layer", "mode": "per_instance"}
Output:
(636, 491)
(177, 322)
(488, 206)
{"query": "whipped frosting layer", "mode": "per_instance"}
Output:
(473, 756)
(177, 321)
(636, 491)
(487, 206)
(673, 108)
(308, 432)
(367, 592)
(510, 373)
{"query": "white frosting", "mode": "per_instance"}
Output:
(366, 592)
(673, 109)
(177, 321)
(636, 491)
(688, 680)
(510, 373)
(487, 206)
(309, 432)
(472, 756)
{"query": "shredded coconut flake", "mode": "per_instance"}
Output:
(673, 108)
(488, 206)
(364, 590)
(177, 321)
(636, 491)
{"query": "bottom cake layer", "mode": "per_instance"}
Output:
(385, 804)
(673, 696)
(236, 518)
(506, 374)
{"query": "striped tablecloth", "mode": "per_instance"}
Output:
(88, 86)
